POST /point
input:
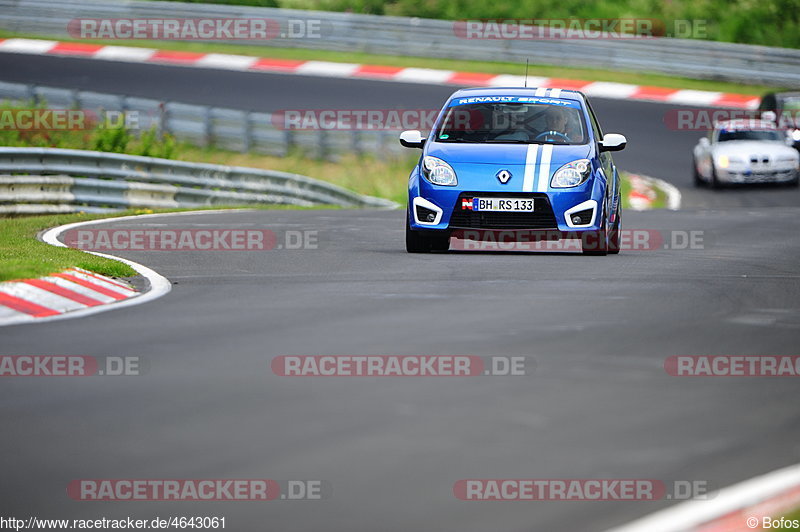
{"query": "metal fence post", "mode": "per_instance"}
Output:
(288, 140)
(247, 123)
(33, 97)
(208, 127)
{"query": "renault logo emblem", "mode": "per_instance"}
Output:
(503, 176)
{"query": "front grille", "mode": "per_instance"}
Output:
(541, 218)
(761, 176)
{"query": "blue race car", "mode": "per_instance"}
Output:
(514, 159)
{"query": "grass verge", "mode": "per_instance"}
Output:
(550, 71)
(24, 256)
(794, 516)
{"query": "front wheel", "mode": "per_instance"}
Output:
(596, 242)
(613, 238)
(419, 242)
(715, 184)
(698, 182)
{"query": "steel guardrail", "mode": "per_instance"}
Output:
(59, 180)
(202, 125)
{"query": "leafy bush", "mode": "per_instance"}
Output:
(767, 22)
(104, 136)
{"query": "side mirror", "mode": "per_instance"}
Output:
(412, 139)
(613, 142)
(704, 142)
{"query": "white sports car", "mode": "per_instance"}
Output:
(745, 151)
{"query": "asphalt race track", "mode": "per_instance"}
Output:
(596, 331)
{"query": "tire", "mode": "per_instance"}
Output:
(698, 181)
(596, 242)
(439, 242)
(419, 242)
(715, 184)
(613, 238)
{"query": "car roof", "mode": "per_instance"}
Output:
(542, 92)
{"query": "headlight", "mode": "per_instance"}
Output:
(572, 174)
(438, 172)
(796, 135)
(724, 161)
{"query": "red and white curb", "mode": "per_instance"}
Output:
(74, 292)
(597, 89)
(643, 193)
(58, 293)
(736, 508)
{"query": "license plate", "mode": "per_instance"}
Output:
(502, 204)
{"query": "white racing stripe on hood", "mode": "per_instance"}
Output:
(530, 168)
(544, 168)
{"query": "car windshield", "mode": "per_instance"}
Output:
(513, 123)
(792, 103)
(748, 134)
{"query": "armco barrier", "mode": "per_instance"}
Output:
(202, 125)
(56, 180)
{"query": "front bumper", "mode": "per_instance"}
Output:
(772, 175)
(441, 210)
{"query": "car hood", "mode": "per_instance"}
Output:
(501, 154)
(477, 165)
(745, 148)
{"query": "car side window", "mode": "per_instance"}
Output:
(598, 133)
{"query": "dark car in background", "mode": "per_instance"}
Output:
(786, 106)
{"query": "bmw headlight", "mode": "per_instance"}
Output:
(572, 174)
(724, 161)
(438, 172)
